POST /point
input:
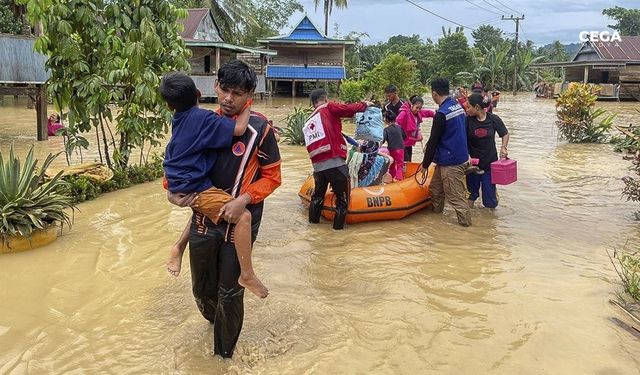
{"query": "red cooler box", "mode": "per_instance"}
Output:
(504, 172)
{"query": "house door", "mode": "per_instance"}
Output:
(207, 64)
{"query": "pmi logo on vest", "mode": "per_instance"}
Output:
(599, 36)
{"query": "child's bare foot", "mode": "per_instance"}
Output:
(254, 285)
(175, 260)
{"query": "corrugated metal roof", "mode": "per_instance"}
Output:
(305, 31)
(192, 22)
(19, 63)
(626, 49)
(310, 72)
(229, 46)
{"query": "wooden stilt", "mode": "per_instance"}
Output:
(41, 112)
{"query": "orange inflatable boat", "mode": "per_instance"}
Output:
(384, 202)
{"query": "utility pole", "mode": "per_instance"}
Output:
(515, 56)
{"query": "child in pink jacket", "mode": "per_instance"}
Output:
(409, 119)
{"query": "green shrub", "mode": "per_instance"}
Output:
(27, 201)
(394, 69)
(352, 91)
(295, 121)
(627, 266)
(82, 188)
(577, 115)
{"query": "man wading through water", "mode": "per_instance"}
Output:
(249, 171)
(328, 153)
(447, 147)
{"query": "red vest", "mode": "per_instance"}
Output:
(323, 137)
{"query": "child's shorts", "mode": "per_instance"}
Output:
(211, 201)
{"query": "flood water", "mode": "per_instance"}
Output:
(525, 290)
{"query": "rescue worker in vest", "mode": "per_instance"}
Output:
(447, 147)
(328, 153)
(249, 171)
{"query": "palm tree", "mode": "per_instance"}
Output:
(328, 6)
(232, 16)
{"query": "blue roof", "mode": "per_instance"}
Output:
(305, 31)
(310, 72)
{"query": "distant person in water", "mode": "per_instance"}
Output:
(53, 124)
(197, 134)
(394, 103)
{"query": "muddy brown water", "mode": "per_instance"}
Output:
(523, 291)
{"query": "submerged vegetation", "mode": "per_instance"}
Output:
(82, 188)
(629, 143)
(292, 133)
(27, 201)
(106, 59)
(627, 266)
(578, 119)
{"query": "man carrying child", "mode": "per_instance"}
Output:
(249, 171)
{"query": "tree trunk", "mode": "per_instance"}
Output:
(326, 20)
(124, 151)
(105, 143)
(98, 141)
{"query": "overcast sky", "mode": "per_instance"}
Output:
(545, 20)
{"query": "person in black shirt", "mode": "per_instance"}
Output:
(481, 139)
(394, 102)
(394, 136)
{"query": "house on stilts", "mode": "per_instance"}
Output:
(305, 58)
(22, 72)
(613, 65)
(209, 51)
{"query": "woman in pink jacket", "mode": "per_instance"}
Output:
(409, 119)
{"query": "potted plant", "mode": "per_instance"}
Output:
(31, 208)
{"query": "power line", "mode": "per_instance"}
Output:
(491, 5)
(506, 6)
(524, 34)
(489, 21)
(437, 15)
(483, 8)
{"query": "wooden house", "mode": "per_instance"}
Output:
(614, 66)
(304, 55)
(209, 51)
(22, 72)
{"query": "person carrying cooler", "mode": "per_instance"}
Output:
(481, 138)
(189, 159)
(394, 137)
